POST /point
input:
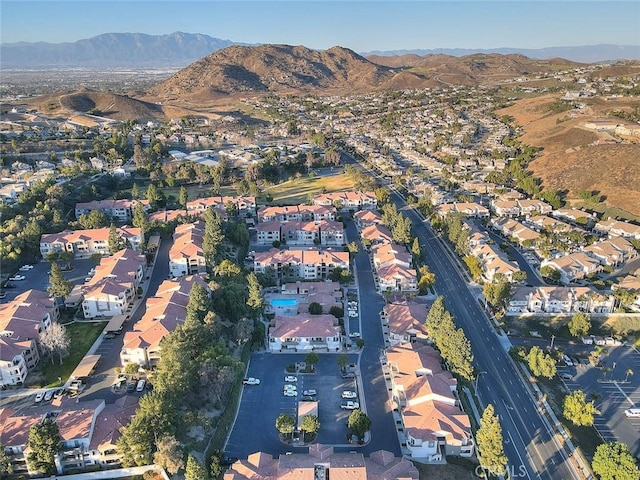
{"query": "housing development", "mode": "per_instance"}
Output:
(358, 287)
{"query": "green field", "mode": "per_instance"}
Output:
(82, 337)
(297, 190)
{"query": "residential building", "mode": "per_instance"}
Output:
(617, 228)
(305, 333)
(243, 205)
(112, 289)
(307, 264)
(405, 320)
(558, 299)
(574, 215)
(574, 266)
(494, 262)
(296, 213)
(348, 200)
(322, 462)
(84, 243)
(164, 312)
(397, 278)
(425, 395)
(614, 251)
(119, 210)
(268, 232)
(390, 253)
(186, 255)
(467, 209)
(365, 218)
(516, 230)
(376, 234)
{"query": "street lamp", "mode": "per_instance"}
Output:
(475, 387)
(553, 337)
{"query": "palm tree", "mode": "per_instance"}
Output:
(627, 373)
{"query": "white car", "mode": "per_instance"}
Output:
(289, 387)
(632, 412)
(354, 335)
(310, 393)
(290, 378)
(49, 395)
(17, 277)
(290, 393)
(39, 397)
(251, 381)
(25, 268)
(350, 405)
(349, 394)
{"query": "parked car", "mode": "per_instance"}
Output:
(354, 335)
(17, 277)
(308, 398)
(632, 412)
(349, 394)
(567, 376)
(251, 381)
(350, 405)
(25, 268)
(2, 295)
(9, 285)
(289, 387)
(290, 393)
(349, 375)
(567, 360)
(290, 378)
(57, 393)
(109, 336)
(140, 386)
(39, 397)
(312, 392)
(48, 396)
(131, 387)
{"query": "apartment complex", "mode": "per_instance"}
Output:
(307, 264)
(120, 211)
(84, 243)
(186, 255)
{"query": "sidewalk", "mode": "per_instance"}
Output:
(109, 474)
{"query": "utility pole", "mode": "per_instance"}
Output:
(553, 337)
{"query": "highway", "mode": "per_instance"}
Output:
(530, 444)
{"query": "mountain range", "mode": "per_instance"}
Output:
(179, 49)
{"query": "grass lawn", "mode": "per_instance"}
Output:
(296, 191)
(82, 337)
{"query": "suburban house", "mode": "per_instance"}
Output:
(307, 264)
(514, 229)
(323, 463)
(119, 210)
(21, 321)
(296, 213)
(365, 218)
(557, 299)
(88, 431)
(390, 253)
(397, 278)
(405, 320)
(164, 312)
(550, 224)
(517, 207)
(574, 266)
(305, 333)
(84, 243)
(573, 215)
(425, 395)
(112, 289)
(186, 255)
(470, 209)
(243, 205)
(617, 228)
(614, 251)
(494, 262)
(347, 200)
(630, 283)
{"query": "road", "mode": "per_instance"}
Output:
(530, 445)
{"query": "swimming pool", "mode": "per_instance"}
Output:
(284, 302)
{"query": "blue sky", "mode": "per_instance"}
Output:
(359, 25)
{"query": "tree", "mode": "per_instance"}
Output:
(519, 276)
(169, 454)
(44, 443)
(579, 325)
(56, 340)
(310, 424)
(153, 195)
(337, 312)
(550, 273)
(183, 197)
(6, 467)
(353, 249)
(285, 424)
(139, 219)
(195, 470)
(490, 443)
(94, 219)
(359, 423)
(198, 306)
(612, 461)
(427, 279)
(435, 315)
(58, 285)
(135, 191)
(540, 363)
(576, 409)
(311, 358)
(115, 241)
(255, 301)
(227, 268)
(342, 361)
(315, 308)
(474, 266)
(415, 249)
(67, 257)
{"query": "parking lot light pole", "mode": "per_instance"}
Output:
(475, 387)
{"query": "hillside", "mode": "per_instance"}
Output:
(272, 68)
(575, 158)
(112, 49)
(117, 107)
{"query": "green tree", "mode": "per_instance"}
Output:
(135, 191)
(382, 196)
(540, 363)
(213, 236)
(139, 219)
(579, 325)
(342, 361)
(490, 443)
(497, 294)
(353, 249)
(427, 279)
(6, 467)
(310, 424)
(337, 312)
(415, 250)
(169, 454)
(227, 268)
(94, 219)
(311, 358)
(519, 276)
(44, 443)
(198, 306)
(474, 266)
(115, 241)
(359, 423)
(183, 197)
(66, 258)
(153, 195)
(59, 286)
(255, 302)
(612, 461)
(576, 408)
(195, 470)
(550, 273)
(285, 424)
(435, 315)
(315, 308)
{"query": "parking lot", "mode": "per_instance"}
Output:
(254, 429)
(615, 389)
